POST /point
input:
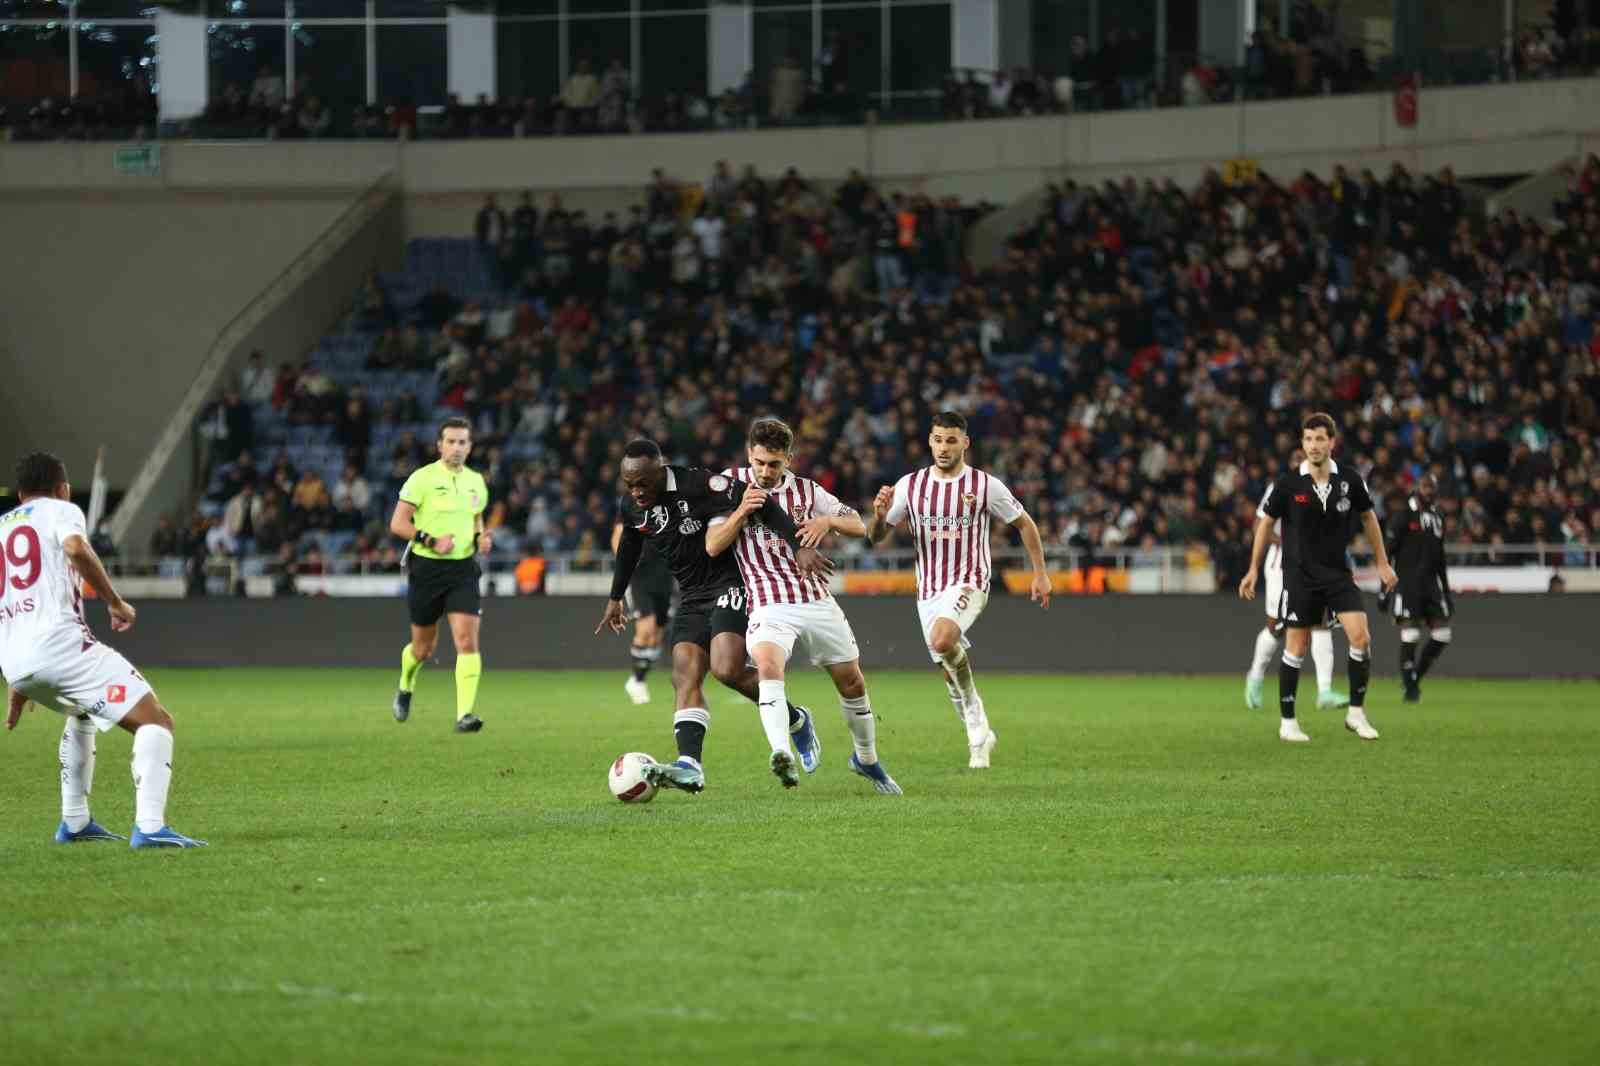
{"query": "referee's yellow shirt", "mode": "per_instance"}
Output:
(446, 502)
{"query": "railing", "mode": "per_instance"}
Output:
(861, 560)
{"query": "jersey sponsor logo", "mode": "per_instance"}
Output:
(690, 526)
(116, 693)
(1342, 506)
(718, 483)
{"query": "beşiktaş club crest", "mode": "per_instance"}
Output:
(657, 518)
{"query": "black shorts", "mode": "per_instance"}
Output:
(650, 593)
(703, 616)
(441, 586)
(1420, 601)
(1306, 606)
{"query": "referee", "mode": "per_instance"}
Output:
(440, 514)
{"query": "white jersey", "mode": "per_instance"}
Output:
(41, 595)
(767, 563)
(1274, 560)
(950, 520)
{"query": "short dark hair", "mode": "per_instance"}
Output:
(951, 420)
(38, 474)
(642, 448)
(456, 422)
(772, 433)
(1320, 420)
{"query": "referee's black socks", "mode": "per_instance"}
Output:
(1360, 674)
(1288, 682)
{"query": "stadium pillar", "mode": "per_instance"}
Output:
(1224, 25)
(182, 52)
(975, 34)
(732, 48)
(470, 52)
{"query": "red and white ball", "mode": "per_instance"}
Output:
(627, 779)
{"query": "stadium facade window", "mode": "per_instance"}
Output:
(34, 9)
(599, 41)
(411, 64)
(675, 53)
(116, 9)
(35, 61)
(859, 38)
(247, 9)
(317, 10)
(919, 49)
(330, 63)
(527, 59)
(237, 52)
(411, 9)
(116, 60)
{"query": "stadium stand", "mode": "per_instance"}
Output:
(1136, 366)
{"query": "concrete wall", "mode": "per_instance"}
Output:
(1496, 636)
(109, 303)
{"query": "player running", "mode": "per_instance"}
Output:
(1422, 598)
(49, 657)
(949, 506)
(789, 606)
(1267, 639)
(440, 515)
(669, 507)
(649, 603)
(1320, 507)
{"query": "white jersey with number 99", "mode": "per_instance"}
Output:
(41, 595)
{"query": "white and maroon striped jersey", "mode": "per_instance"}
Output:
(950, 522)
(765, 561)
(41, 596)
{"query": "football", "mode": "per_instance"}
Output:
(627, 778)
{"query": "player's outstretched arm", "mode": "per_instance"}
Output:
(1386, 574)
(878, 525)
(1035, 548)
(82, 556)
(1258, 551)
(630, 545)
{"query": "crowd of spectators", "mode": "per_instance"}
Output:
(1136, 368)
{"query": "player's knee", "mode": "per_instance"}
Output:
(159, 716)
(1360, 640)
(726, 669)
(852, 687)
(944, 642)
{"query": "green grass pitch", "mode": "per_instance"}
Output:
(1146, 875)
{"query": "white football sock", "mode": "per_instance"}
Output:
(774, 706)
(863, 727)
(1322, 656)
(1266, 648)
(77, 772)
(957, 700)
(960, 668)
(152, 776)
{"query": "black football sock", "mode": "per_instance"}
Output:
(794, 717)
(1430, 653)
(689, 730)
(1360, 674)
(1408, 663)
(1288, 683)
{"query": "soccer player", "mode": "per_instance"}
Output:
(1320, 507)
(1423, 598)
(49, 657)
(1267, 639)
(669, 507)
(949, 506)
(649, 603)
(440, 516)
(788, 606)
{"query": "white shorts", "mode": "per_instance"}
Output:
(96, 681)
(819, 625)
(961, 605)
(1274, 590)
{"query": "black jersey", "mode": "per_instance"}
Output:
(1416, 544)
(675, 526)
(1318, 522)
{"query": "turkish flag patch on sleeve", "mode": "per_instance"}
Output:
(116, 693)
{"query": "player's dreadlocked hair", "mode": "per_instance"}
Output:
(772, 433)
(38, 474)
(642, 448)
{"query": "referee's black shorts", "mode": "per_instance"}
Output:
(1305, 605)
(441, 586)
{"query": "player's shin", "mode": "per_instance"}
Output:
(1266, 646)
(1408, 655)
(774, 707)
(1288, 682)
(643, 659)
(410, 667)
(1322, 657)
(469, 668)
(862, 725)
(152, 776)
(689, 728)
(1438, 641)
(959, 664)
(77, 772)
(1360, 674)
